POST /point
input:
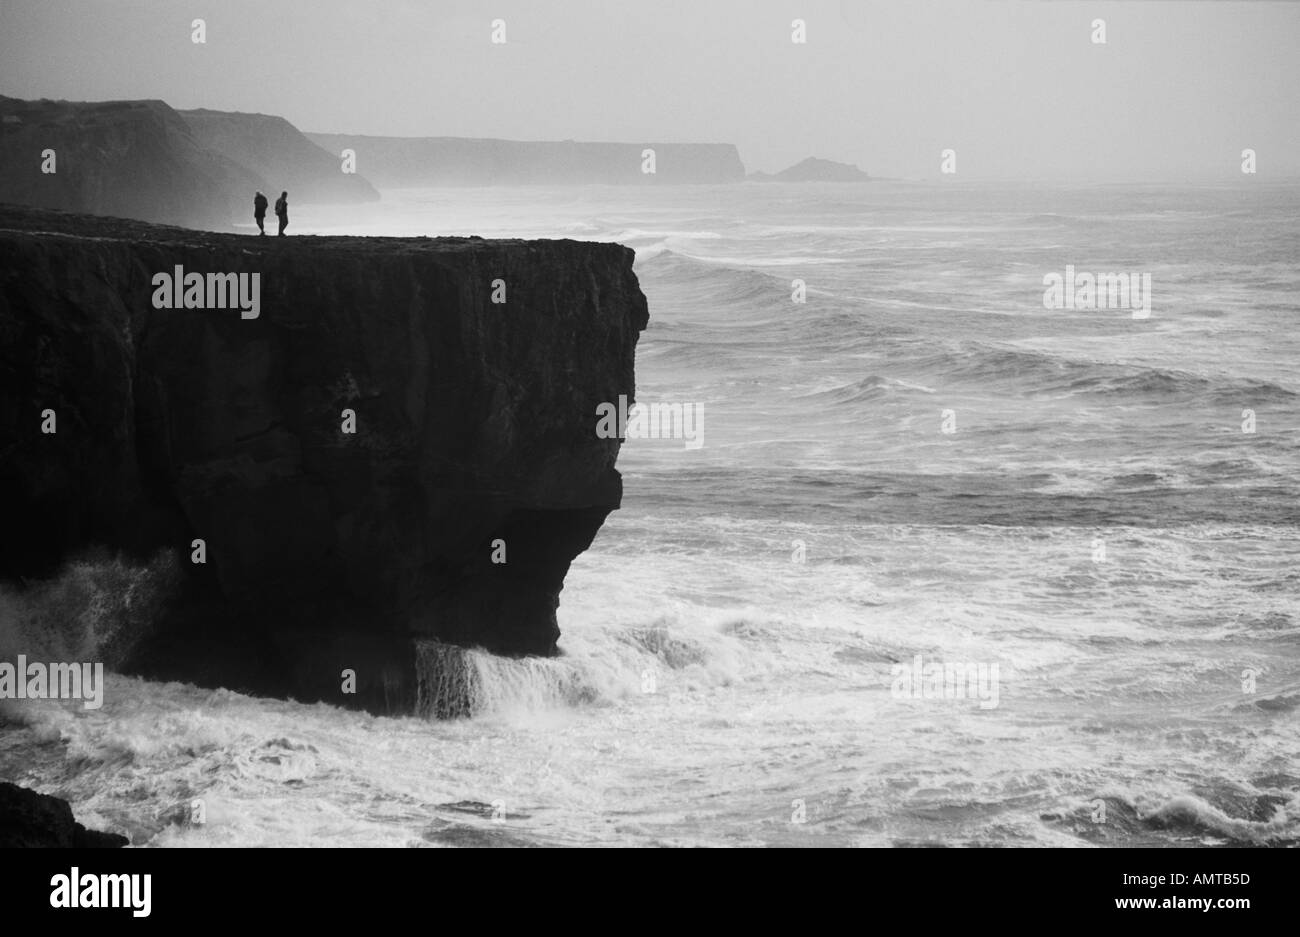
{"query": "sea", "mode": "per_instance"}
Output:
(951, 563)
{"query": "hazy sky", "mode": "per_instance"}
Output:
(1017, 88)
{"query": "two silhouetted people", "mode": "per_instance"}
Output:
(259, 211)
(281, 211)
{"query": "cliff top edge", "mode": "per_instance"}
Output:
(41, 222)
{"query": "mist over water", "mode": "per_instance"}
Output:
(1098, 526)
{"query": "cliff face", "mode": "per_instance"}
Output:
(461, 161)
(474, 438)
(134, 159)
(281, 156)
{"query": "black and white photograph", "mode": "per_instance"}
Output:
(597, 423)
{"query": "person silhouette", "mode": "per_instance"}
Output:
(259, 212)
(282, 211)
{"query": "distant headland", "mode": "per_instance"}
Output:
(813, 169)
(200, 168)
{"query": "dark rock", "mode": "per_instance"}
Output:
(326, 551)
(29, 819)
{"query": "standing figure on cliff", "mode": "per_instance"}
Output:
(282, 211)
(259, 212)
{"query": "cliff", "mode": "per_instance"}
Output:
(280, 155)
(144, 160)
(135, 159)
(462, 161)
(474, 439)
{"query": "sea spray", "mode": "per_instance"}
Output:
(456, 682)
(97, 607)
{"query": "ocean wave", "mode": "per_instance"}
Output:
(867, 389)
(1159, 381)
(728, 292)
(668, 258)
(601, 665)
(1044, 373)
(1273, 822)
(1227, 815)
